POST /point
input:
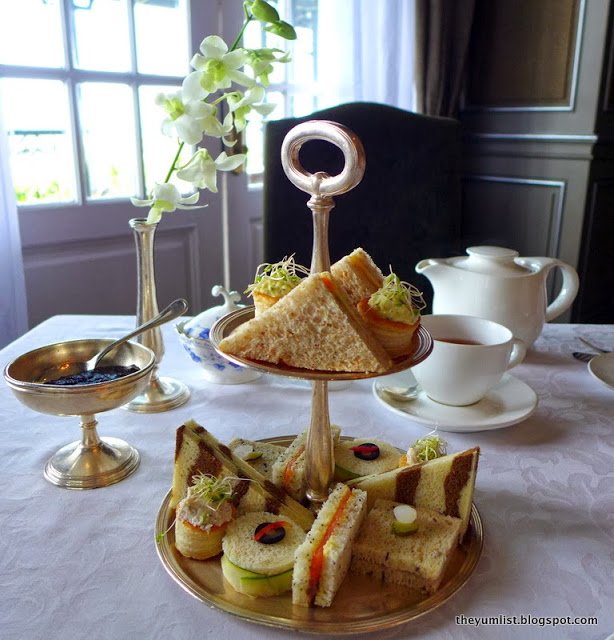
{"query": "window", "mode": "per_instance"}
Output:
(77, 90)
(293, 86)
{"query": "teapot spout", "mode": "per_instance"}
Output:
(430, 266)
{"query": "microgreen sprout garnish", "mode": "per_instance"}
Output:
(428, 448)
(395, 296)
(214, 491)
(277, 278)
(160, 536)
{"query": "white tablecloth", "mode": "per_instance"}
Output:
(83, 564)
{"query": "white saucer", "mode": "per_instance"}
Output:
(602, 368)
(510, 402)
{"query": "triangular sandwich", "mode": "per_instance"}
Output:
(198, 452)
(358, 275)
(444, 484)
(288, 470)
(312, 327)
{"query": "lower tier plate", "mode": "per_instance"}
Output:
(359, 606)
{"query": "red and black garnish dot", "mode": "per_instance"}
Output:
(366, 451)
(270, 532)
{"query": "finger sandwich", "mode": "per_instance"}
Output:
(260, 455)
(359, 276)
(198, 452)
(288, 470)
(323, 559)
(445, 484)
(417, 560)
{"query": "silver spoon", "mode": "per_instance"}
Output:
(174, 310)
(397, 392)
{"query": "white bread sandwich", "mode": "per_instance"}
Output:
(315, 327)
(444, 484)
(387, 552)
(202, 516)
(198, 452)
(359, 276)
(273, 281)
(289, 469)
(392, 314)
(259, 553)
(260, 455)
(323, 559)
(362, 457)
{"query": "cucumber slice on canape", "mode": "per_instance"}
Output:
(405, 520)
(256, 585)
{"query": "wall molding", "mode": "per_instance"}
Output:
(557, 203)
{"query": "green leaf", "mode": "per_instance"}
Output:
(282, 29)
(264, 12)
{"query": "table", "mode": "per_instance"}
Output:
(83, 564)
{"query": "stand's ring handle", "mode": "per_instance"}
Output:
(321, 184)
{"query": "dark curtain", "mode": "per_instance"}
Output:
(443, 29)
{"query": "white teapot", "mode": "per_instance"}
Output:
(494, 283)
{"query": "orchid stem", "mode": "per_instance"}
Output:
(170, 171)
(248, 19)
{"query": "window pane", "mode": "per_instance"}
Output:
(107, 124)
(162, 37)
(254, 134)
(158, 149)
(31, 33)
(102, 40)
(40, 144)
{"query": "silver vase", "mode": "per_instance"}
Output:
(162, 393)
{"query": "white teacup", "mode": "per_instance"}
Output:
(469, 357)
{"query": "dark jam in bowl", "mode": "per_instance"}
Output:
(99, 374)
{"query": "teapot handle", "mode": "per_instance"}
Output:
(569, 288)
(567, 294)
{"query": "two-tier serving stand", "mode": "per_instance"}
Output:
(319, 459)
(364, 607)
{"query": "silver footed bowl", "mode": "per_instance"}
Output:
(93, 461)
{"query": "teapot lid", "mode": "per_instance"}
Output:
(496, 261)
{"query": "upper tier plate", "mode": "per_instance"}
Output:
(421, 347)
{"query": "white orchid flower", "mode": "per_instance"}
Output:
(216, 68)
(185, 118)
(240, 105)
(166, 197)
(201, 170)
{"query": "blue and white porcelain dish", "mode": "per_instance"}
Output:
(194, 336)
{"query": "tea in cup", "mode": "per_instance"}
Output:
(469, 357)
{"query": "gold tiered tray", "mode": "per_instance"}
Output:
(358, 607)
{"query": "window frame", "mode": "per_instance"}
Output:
(71, 77)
